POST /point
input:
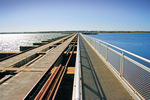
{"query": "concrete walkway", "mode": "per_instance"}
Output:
(98, 83)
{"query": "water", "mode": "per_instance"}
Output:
(11, 42)
(137, 43)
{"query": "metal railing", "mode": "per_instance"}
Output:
(135, 74)
(78, 73)
(77, 82)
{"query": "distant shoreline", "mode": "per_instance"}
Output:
(70, 32)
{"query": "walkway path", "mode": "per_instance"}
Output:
(97, 80)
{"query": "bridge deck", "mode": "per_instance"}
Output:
(97, 80)
(11, 61)
(20, 84)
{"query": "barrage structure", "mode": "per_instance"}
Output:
(76, 67)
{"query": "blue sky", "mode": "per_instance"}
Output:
(45, 15)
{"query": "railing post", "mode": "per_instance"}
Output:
(107, 53)
(100, 48)
(95, 43)
(121, 64)
(90, 40)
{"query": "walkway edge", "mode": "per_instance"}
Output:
(130, 91)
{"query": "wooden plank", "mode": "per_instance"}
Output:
(23, 69)
(70, 70)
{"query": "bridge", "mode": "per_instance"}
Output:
(76, 67)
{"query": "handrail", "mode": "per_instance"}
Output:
(132, 74)
(122, 50)
(77, 92)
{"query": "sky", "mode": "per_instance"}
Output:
(69, 15)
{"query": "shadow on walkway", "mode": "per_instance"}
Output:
(92, 89)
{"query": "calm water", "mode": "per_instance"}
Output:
(137, 43)
(11, 42)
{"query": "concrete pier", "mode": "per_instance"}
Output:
(22, 48)
(6, 54)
